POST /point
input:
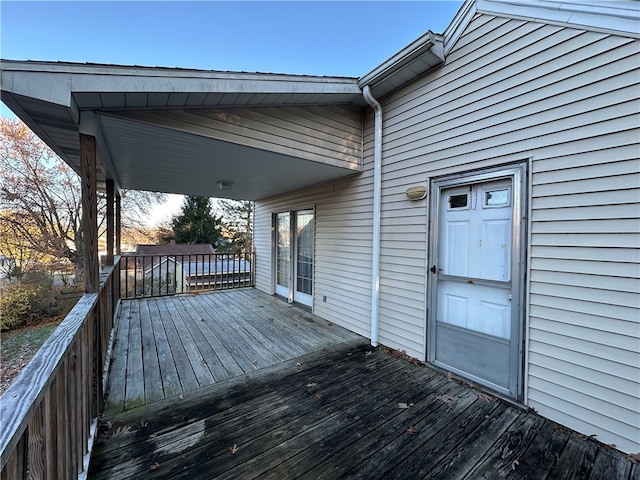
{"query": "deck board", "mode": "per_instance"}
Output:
(328, 413)
(153, 390)
(173, 345)
(168, 371)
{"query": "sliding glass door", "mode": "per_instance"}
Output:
(294, 245)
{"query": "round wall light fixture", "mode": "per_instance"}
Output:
(416, 193)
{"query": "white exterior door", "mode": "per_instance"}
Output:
(294, 251)
(475, 324)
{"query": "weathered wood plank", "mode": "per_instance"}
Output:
(197, 362)
(171, 383)
(185, 371)
(299, 368)
(509, 448)
(230, 321)
(428, 416)
(227, 361)
(233, 420)
(62, 419)
(20, 400)
(207, 353)
(543, 452)
(576, 459)
(89, 184)
(134, 387)
(610, 463)
(361, 418)
(460, 457)
(152, 378)
(114, 400)
(37, 459)
(252, 313)
(351, 456)
(353, 429)
(264, 322)
(110, 221)
(221, 340)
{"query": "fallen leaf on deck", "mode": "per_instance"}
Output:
(154, 466)
(181, 396)
(404, 405)
(485, 397)
(318, 396)
(121, 431)
(411, 430)
(515, 464)
(368, 353)
(233, 449)
(447, 398)
(311, 385)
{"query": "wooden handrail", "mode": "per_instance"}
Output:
(48, 411)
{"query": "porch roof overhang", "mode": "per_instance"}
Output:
(60, 100)
(147, 141)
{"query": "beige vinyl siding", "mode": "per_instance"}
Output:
(325, 134)
(566, 99)
(343, 242)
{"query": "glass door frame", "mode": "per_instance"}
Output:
(291, 293)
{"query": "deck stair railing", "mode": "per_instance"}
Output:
(48, 414)
(161, 275)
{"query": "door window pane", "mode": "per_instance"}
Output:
(283, 264)
(304, 256)
(496, 197)
(458, 201)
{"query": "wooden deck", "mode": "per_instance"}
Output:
(173, 345)
(336, 408)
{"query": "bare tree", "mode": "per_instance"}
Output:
(45, 195)
(17, 256)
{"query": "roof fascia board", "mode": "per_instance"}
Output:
(50, 87)
(608, 17)
(425, 43)
(81, 78)
(460, 21)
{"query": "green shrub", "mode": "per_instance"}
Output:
(27, 303)
(15, 307)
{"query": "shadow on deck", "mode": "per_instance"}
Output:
(336, 409)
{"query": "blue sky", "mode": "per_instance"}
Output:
(334, 38)
(314, 38)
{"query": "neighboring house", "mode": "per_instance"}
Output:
(485, 219)
(174, 275)
(145, 264)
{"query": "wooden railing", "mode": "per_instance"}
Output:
(48, 414)
(160, 275)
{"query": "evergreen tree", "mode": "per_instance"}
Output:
(237, 220)
(196, 223)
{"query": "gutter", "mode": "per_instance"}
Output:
(377, 192)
